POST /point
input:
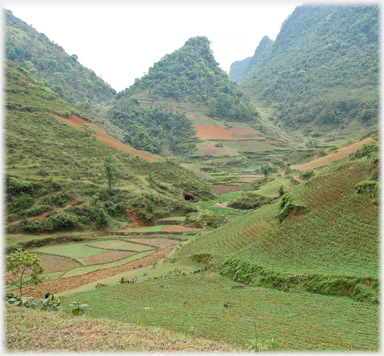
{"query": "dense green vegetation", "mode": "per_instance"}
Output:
(261, 52)
(192, 73)
(49, 63)
(322, 69)
(154, 130)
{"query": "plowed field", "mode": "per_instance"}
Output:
(206, 132)
(56, 263)
(103, 137)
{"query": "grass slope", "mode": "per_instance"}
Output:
(56, 331)
(55, 173)
(336, 238)
(193, 303)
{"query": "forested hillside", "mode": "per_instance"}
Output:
(192, 74)
(322, 69)
(49, 63)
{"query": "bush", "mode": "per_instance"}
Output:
(62, 221)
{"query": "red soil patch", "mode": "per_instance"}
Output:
(206, 132)
(172, 228)
(334, 156)
(105, 257)
(103, 137)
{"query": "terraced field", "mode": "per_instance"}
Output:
(338, 236)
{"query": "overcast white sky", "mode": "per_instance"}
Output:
(120, 40)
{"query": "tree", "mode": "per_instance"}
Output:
(23, 268)
(111, 174)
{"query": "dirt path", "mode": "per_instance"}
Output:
(64, 284)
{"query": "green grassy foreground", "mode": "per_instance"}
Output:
(194, 304)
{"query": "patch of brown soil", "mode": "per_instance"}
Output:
(104, 257)
(205, 132)
(334, 156)
(160, 243)
(224, 189)
(172, 228)
(64, 284)
(103, 137)
(56, 263)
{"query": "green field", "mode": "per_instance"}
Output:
(194, 304)
(119, 245)
(75, 251)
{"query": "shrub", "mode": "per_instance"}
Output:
(62, 220)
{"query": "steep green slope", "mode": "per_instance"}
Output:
(321, 73)
(56, 177)
(261, 52)
(326, 229)
(156, 130)
(238, 68)
(62, 73)
(49, 63)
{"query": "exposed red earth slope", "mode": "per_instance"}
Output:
(103, 137)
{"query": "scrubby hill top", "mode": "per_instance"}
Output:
(192, 74)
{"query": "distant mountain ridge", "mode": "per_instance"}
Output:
(322, 69)
(238, 68)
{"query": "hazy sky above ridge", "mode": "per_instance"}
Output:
(120, 40)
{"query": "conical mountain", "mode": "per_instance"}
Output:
(322, 69)
(191, 74)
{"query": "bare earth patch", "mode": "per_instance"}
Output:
(206, 132)
(172, 228)
(161, 243)
(105, 257)
(103, 137)
(56, 263)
